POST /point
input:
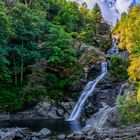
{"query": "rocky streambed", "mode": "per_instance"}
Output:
(88, 133)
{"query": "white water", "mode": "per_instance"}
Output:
(88, 90)
(114, 49)
(98, 120)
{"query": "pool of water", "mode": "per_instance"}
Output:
(56, 126)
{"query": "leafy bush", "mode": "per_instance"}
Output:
(129, 109)
(119, 67)
(10, 99)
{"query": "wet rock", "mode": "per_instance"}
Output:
(11, 133)
(90, 138)
(78, 133)
(79, 137)
(46, 110)
(60, 112)
(34, 138)
(4, 116)
(90, 133)
(45, 132)
(52, 113)
(69, 137)
(76, 137)
(66, 105)
(61, 137)
(25, 115)
(19, 136)
(45, 139)
(100, 119)
(43, 110)
(86, 129)
(66, 116)
(35, 134)
(107, 139)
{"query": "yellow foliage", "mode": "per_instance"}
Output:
(134, 69)
(138, 96)
(128, 30)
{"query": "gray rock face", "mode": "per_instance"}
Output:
(43, 110)
(103, 119)
(46, 110)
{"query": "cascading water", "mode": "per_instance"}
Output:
(114, 49)
(88, 90)
(98, 120)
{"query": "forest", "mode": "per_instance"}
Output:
(37, 54)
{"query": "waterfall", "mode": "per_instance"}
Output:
(114, 49)
(88, 90)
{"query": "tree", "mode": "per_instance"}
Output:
(68, 17)
(4, 35)
(26, 24)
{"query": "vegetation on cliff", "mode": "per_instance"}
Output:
(128, 30)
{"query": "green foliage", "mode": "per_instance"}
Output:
(59, 44)
(10, 99)
(68, 17)
(129, 109)
(119, 66)
(37, 42)
(4, 35)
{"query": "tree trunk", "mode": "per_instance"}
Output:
(22, 67)
(15, 73)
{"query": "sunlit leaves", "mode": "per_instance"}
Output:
(128, 29)
(134, 68)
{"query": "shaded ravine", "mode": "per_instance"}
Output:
(88, 90)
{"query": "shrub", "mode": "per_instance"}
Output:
(119, 67)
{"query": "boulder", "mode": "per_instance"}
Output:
(45, 132)
(10, 133)
(61, 137)
(35, 134)
(77, 135)
(34, 138)
(46, 110)
(60, 112)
